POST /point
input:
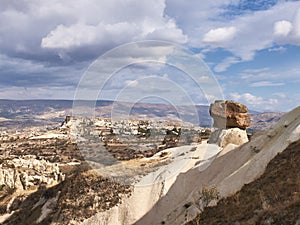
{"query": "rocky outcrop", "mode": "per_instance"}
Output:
(28, 172)
(67, 121)
(230, 119)
(224, 137)
(229, 114)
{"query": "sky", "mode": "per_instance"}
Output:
(48, 49)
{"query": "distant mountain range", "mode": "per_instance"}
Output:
(25, 113)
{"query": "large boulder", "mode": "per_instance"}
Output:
(223, 137)
(229, 114)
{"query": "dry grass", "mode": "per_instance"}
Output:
(80, 196)
(274, 198)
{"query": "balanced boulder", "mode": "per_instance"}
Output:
(229, 114)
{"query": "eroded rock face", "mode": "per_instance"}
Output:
(224, 137)
(229, 114)
(28, 172)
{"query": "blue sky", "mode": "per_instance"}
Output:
(251, 47)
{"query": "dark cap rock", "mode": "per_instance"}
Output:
(229, 114)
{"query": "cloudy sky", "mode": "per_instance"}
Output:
(251, 47)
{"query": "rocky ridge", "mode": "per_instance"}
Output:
(227, 173)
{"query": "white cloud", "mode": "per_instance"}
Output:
(227, 62)
(219, 35)
(277, 49)
(244, 34)
(288, 31)
(132, 83)
(52, 36)
(283, 28)
(67, 37)
(278, 101)
(296, 26)
(260, 70)
(266, 84)
(210, 98)
(73, 29)
(114, 24)
(169, 32)
(274, 75)
(256, 102)
(80, 35)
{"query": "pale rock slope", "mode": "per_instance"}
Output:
(172, 195)
(152, 187)
(228, 172)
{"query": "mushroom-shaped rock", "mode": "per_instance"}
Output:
(229, 114)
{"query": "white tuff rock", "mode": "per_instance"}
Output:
(224, 137)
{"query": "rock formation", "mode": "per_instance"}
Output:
(66, 121)
(231, 119)
(28, 172)
(224, 137)
(229, 114)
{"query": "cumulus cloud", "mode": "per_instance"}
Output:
(105, 32)
(51, 45)
(277, 101)
(282, 28)
(288, 31)
(42, 43)
(81, 35)
(66, 37)
(256, 102)
(296, 26)
(76, 30)
(78, 35)
(219, 35)
(247, 33)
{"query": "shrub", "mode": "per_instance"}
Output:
(208, 195)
